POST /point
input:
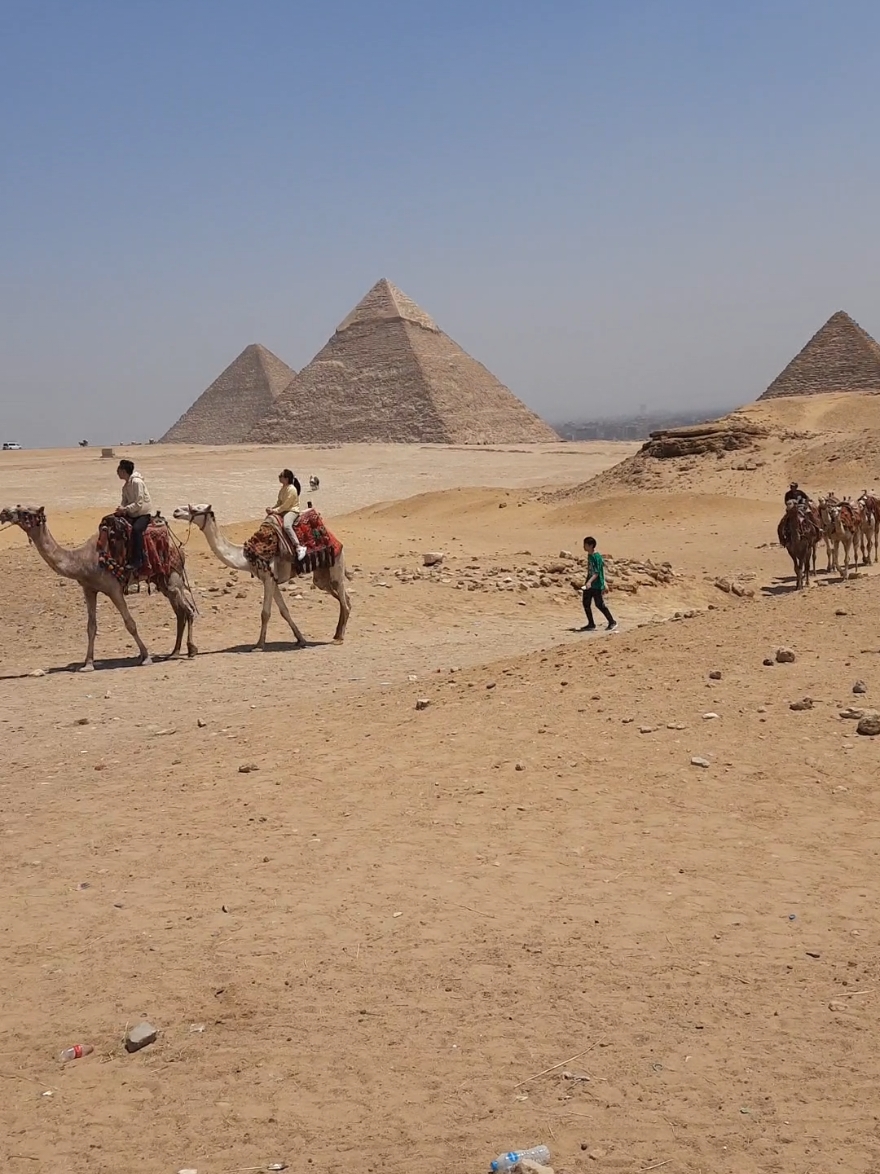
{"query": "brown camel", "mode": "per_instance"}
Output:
(81, 564)
(798, 532)
(870, 508)
(329, 579)
(840, 525)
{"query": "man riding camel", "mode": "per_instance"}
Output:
(797, 495)
(135, 506)
(288, 506)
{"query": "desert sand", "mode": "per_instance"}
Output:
(385, 946)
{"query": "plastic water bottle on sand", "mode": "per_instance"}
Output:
(538, 1153)
(77, 1052)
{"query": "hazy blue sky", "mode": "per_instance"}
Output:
(642, 201)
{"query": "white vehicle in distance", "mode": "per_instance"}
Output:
(11, 446)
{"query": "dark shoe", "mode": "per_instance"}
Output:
(588, 628)
(612, 627)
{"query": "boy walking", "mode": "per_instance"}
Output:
(594, 587)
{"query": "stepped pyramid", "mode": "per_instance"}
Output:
(229, 408)
(390, 375)
(839, 357)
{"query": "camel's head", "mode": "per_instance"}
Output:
(195, 515)
(29, 517)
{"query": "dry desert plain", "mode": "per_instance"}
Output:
(362, 954)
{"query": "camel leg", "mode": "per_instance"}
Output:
(183, 611)
(266, 611)
(282, 607)
(332, 580)
(128, 619)
(91, 598)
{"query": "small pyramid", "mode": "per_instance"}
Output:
(390, 375)
(235, 401)
(839, 357)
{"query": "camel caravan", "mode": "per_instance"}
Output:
(135, 546)
(847, 526)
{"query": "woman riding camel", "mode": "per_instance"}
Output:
(288, 506)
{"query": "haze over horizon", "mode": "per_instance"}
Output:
(608, 206)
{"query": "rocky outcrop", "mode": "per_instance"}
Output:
(720, 436)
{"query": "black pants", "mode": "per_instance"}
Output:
(138, 525)
(594, 595)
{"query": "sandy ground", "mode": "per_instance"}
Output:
(362, 953)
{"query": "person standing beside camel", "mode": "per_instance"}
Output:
(136, 507)
(595, 587)
(288, 506)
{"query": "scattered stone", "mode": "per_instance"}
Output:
(432, 558)
(841, 612)
(715, 675)
(860, 687)
(646, 729)
(138, 1037)
(838, 1005)
(697, 761)
(37, 673)
(422, 703)
(710, 717)
(81, 721)
(768, 661)
(597, 1154)
(813, 954)
(869, 726)
(676, 726)
(785, 656)
(247, 768)
(565, 554)
(724, 585)
(520, 766)
(531, 1167)
(201, 723)
(800, 706)
(855, 714)
(491, 685)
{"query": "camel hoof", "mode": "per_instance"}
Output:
(192, 651)
(87, 668)
(338, 639)
(258, 648)
(147, 660)
(301, 644)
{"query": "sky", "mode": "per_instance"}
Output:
(644, 202)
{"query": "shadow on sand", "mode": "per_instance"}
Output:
(128, 662)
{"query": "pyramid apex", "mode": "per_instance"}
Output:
(386, 303)
(243, 392)
(841, 356)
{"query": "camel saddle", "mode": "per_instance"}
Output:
(114, 550)
(271, 541)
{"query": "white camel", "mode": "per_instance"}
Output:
(329, 579)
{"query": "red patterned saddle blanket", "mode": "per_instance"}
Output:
(270, 541)
(161, 556)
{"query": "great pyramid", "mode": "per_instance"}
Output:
(235, 401)
(839, 357)
(390, 375)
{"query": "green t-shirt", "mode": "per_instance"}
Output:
(596, 566)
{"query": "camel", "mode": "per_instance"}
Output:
(329, 579)
(841, 524)
(81, 564)
(798, 532)
(870, 509)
